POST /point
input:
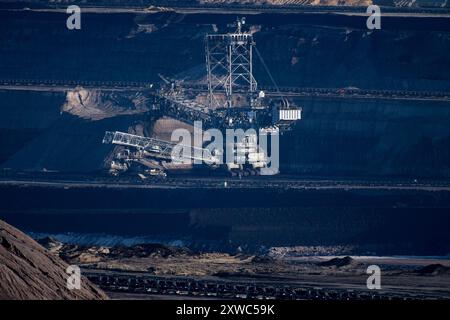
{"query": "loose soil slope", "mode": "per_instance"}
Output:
(28, 271)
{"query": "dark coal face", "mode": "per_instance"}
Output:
(337, 137)
(394, 222)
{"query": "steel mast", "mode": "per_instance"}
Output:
(229, 64)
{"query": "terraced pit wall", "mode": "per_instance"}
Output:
(337, 137)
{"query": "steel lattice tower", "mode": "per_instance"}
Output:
(229, 64)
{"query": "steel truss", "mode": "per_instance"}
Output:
(229, 60)
(158, 148)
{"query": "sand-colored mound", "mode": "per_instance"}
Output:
(28, 271)
(96, 105)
